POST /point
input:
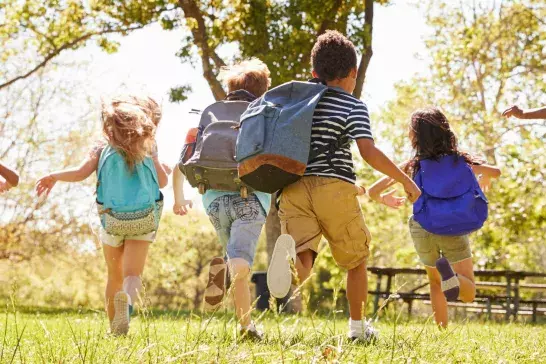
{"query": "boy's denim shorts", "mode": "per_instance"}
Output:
(238, 223)
(429, 245)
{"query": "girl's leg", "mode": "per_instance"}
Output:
(114, 263)
(437, 297)
(134, 258)
(240, 270)
(465, 273)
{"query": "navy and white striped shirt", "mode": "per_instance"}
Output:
(337, 113)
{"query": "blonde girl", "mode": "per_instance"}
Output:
(129, 177)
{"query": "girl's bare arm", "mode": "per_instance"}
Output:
(163, 177)
(486, 170)
(378, 187)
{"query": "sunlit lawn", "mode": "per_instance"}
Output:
(72, 337)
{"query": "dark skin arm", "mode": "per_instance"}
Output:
(380, 162)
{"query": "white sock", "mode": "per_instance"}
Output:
(132, 286)
(356, 327)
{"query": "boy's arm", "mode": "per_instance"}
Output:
(86, 168)
(180, 203)
(11, 177)
(380, 162)
(515, 111)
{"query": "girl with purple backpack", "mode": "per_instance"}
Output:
(451, 206)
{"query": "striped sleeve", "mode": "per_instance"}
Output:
(358, 123)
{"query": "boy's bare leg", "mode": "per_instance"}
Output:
(304, 264)
(357, 290)
(114, 263)
(240, 270)
(465, 273)
(437, 297)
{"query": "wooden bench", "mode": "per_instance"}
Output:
(509, 302)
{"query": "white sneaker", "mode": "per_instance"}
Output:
(369, 334)
(120, 323)
(279, 273)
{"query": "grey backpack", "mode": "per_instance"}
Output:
(211, 164)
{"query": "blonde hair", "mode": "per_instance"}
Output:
(146, 103)
(251, 75)
(128, 129)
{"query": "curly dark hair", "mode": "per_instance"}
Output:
(333, 56)
(431, 138)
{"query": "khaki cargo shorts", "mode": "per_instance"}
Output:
(316, 206)
(429, 246)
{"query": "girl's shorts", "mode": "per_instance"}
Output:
(117, 241)
(429, 246)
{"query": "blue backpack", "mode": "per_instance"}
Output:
(129, 202)
(452, 202)
(274, 142)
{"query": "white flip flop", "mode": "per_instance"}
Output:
(279, 274)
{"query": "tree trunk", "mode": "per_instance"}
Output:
(200, 37)
(368, 52)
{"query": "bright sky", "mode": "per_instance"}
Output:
(146, 62)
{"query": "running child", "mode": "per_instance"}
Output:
(324, 201)
(9, 178)
(458, 208)
(238, 221)
(129, 177)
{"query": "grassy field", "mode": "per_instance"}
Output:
(72, 337)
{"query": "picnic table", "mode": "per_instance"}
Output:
(509, 301)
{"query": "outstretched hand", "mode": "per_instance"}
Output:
(45, 184)
(182, 209)
(484, 182)
(361, 191)
(513, 111)
(392, 201)
(4, 186)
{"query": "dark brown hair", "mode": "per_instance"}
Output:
(333, 56)
(431, 138)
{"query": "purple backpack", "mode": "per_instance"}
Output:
(452, 202)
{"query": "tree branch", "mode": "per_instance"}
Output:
(64, 47)
(368, 51)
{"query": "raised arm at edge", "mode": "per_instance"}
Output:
(10, 175)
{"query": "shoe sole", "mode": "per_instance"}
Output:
(279, 273)
(120, 324)
(217, 278)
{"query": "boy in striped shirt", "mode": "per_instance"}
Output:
(323, 202)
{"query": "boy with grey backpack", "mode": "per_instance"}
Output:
(236, 211)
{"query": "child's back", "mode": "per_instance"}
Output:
(238, 220)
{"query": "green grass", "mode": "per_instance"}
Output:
(70, 337)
